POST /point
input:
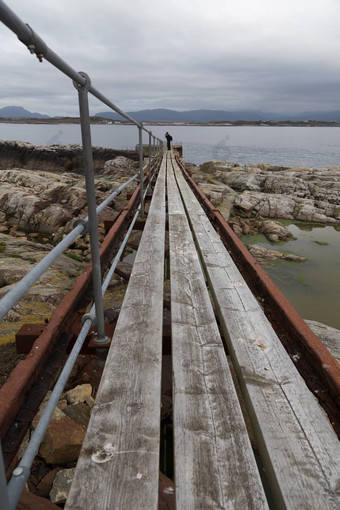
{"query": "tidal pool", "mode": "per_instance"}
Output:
(313, 287)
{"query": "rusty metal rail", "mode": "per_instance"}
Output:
(317, 366)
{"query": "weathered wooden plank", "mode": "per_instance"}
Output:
(119, 463)
(298, 446)
(214, 464)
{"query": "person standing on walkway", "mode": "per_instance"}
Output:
(168, 140)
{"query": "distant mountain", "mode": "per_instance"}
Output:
(165, 115)
(18, 112)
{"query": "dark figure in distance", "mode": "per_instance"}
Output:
(168, 140)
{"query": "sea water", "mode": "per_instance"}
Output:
(305, 147)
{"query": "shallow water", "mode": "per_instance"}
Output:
(313, 287)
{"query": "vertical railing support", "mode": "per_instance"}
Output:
(149, 155)
(91, 205)
(4, 501)
(141, 173)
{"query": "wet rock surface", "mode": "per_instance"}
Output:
(264, 255)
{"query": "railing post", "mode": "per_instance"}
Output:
(149, 154)
(4, 501)
(141, 173)
(91, 205)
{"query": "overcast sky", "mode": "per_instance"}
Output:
(270, 55)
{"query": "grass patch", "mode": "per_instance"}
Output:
(302, 280)
(321, 243)
(74, 257)
(2, 246)
(18, 256)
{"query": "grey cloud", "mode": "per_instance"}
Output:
(225, 55)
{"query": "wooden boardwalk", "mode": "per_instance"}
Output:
(215, 466)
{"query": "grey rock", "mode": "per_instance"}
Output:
(265, 256)
(62, 485)
(311, 195)
(79, 412)
(275, 231)
(79, 393)
(328, 335)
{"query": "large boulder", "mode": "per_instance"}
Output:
(274, 231)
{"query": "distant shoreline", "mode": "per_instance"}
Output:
(100, 120)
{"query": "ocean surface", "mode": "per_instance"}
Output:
(311, 147)
(312, 286)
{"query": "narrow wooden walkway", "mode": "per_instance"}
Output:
(215, 465)
(119, 463)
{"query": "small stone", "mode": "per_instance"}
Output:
(45, 486)
(90, 401)
(29, 501)
(63, 440)
(79, 412)
(62, 404)
(167, 495)
(79, 393)
(62, 485)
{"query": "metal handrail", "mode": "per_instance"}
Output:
(81, 227)
(22, 471)
(10, 494)
(37, 46)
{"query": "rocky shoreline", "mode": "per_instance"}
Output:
(267, 191)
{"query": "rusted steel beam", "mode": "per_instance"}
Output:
(28, 334)
(16, 389)
(318, 367)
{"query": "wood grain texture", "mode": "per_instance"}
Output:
(214, 464)
(118, 467)
(298, 446)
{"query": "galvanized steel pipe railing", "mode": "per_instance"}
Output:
(91, 205)
(37, 46)
(22, 471)
(83, 85)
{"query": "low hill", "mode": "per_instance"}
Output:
(201, 116)
(18, 112)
